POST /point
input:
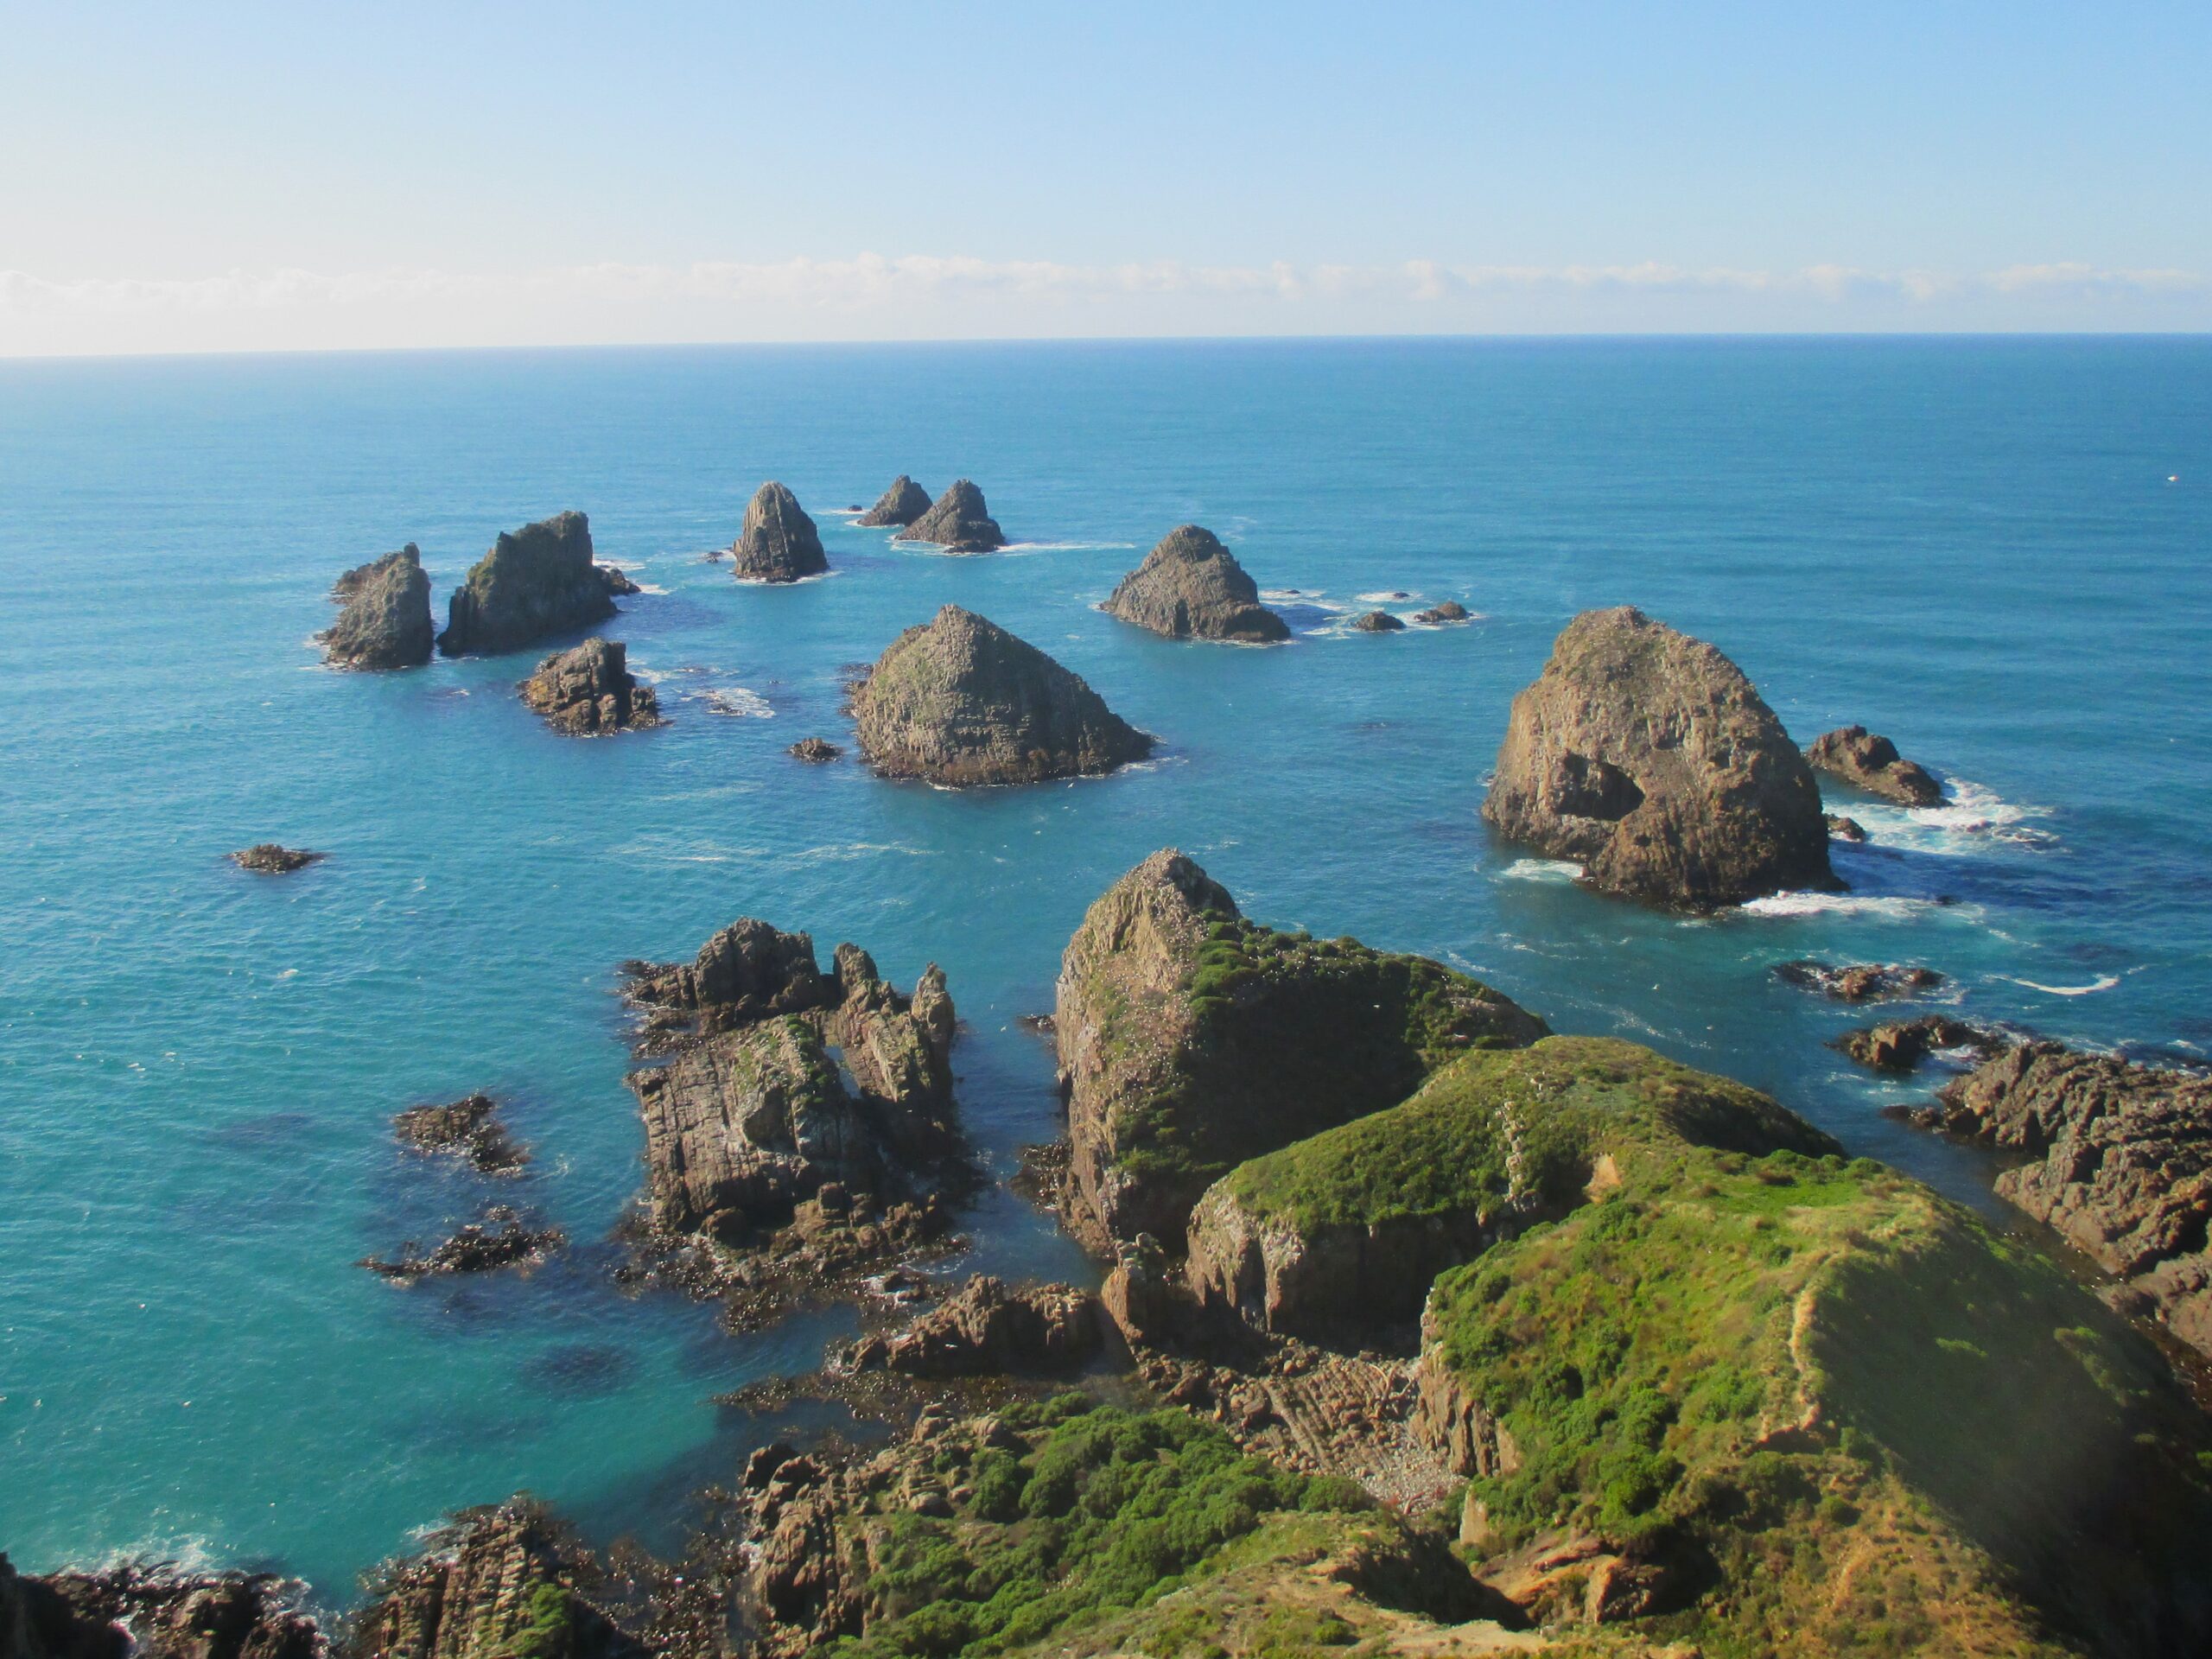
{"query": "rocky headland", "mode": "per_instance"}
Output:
(958, 521)
(898, 506)
(778, 541)
(961, 701)
(1872, 763)
(270, 858)
(468, 1128)
(1647, 756)
(537, 581)
(588, 692)
(385, 617)
(1189, 587)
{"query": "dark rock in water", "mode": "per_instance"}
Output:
(617, 584)
(385, 622)
(267, 858)
(748, 971)
(962, 701)
(1900, 1045)
(506, 1581)
(815, 749)
(144, 1609)
(901, 504)
(1190, 587)
(1647, 756)
(1859, 982)
(779, 542)
(467, 1128)
(1872, 763)
(500, 1240)
(1843, 829)
(988, 1328)
(959, 522)
(535, 581)
(1378, 622)
(1450, 611)
(588, 692)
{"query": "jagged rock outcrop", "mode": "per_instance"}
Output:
(961, 701)
(1377, 622)
(1843, 829)
(1858, 981)
(506, 1581)
(2119, 1160)
(468, 1128)
(746, 971)
(268, 858)
(1899, 1046)
(385, 619)
(901, 505)
(144, 1609)
(989, 1328)
(535, 581)
(1648, 756)
(1191, 1039)
(815, 750)
(958, 522)
(1872, 763)
(779, 542)
(588, 692)
(1189, 587)
(1450, 611)
(502, 1239)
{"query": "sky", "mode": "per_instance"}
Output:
(231, 177)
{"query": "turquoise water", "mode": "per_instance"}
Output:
(1972, 545)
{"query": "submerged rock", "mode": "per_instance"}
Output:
(1647, 756)
(990, 1329)
(960, 702)
(1189, 587)
(1872, 763)
(958, 522)
(535, 581)
(901, 504)
(1858, 981)
(1450, 611)
(385, 622)
(588, 692)
(468, 1128)
(779, 542)
(502, 1239)
(1378, 622)
(148, 1610)
(1899, 1046)
(268, 858)
(815, 750)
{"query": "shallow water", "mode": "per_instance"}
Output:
(1971, 545)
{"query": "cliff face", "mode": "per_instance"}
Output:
(1190, 587)
(385, 620)
(1870, 762)
(589, 691)
(958, 521)
(1191, 1039)
(779, 542)
(900, 505)
(537, 581)
(1648, 756)
(963, 701)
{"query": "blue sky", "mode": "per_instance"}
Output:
(176, 178)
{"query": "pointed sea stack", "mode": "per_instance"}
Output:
(899, 505)
(1190, 587)
(779, 542)
(959, 522)
(537, 581)
(387, 619)
(962, 701)
(1648, 756)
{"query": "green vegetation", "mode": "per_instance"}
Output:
(549, 1629)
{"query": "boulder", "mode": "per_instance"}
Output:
(815, 750)
(990, 1329)
(1450, 611)
(961, 700)
(899, 505)
(501, 1239)
(1191, 1039)
(1843, 829)
(958, 522)
(1858, 981)
(385, 619)
(1190, 587)
(1647, 756)
(1378, 622)
(588, 692)
(268, 858)
(1872, 763)
(1899, 1046)
(468, 1128)
(154, 1610)
(537, 581)
(779, 542)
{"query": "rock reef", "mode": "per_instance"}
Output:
(385, 621)
(961, 701)
(1858, 981)
(588, 692)
(468, 1128)
(1377, 622)
(1189, 587)
(1647, 756)
(141, 1610)
(815, 750)
(1450, 611)
(502, 1239)
(779, 542)
(537, 581)
(1899, 1046)
(1871, 763)
(901, 505)
(958, 522)
(268, 858)
(989, 1328)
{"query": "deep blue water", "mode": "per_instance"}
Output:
(1995, 550)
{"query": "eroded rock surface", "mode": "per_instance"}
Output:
(468, 1128)
(958, 522)
(779, 542)
(1899, 1046)
(588, 692)
(899, 505)
(385, 620)
(143, 1610)
(268, 858)
(1189, 587)
(990, 1328)
(502, 1239)
(1872, 763)
(537, 581)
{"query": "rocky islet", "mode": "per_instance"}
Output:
(385, 617)
(589, 691)
(778, 543)
(1189, 587)
(897, 507)
(958, 522)
(1872, 763)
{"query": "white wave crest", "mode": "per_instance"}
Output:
(1968, 819)
(1542, 869)
(1796, 905)
(2102, 982)
(740, 703)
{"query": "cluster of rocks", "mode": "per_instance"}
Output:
(1899, 1046)
(270, 858)
(1858, 981)
(468, 1128)
(958, 522)
(588, 692)
(816, 751)
(503, 1238)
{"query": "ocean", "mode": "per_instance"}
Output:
(1995, 550)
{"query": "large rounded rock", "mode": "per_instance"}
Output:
(387, 619)
(1190, 587)
(899, 505)
(1867, 760)
(537, 581)
(1648, 756)
(590, 692)
(779, 542)
(958, 522)
(962, 701)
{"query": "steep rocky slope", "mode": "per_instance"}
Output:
(778, 541)
(535, 581)
(1189, 587)
(385, 621)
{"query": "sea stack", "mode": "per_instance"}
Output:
(1648, 756)
(959, 522)
(385, 621)
(1868, 761)
(961, 700)
(1190, 587)
(779, 542)
(537, 581)
(899, 505)
(589, 691)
